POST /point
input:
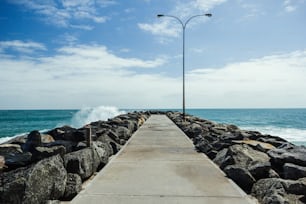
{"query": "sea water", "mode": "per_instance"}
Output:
(289, 124)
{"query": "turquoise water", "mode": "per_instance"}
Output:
(287, 123)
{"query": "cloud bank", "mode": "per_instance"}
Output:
(91, 75)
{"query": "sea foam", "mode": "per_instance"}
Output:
(89, 114)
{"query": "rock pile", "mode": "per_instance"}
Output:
(52, 166)
(268, 167)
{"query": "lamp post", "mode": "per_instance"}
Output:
(184, 27)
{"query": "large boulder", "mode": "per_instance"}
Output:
(45, 180)
(43, 152)
(240, 176)
(293, 171)
(73, 186)
(14, 157)
(81, 162)
(276, 190)
(295, 155)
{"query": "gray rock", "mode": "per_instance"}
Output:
(16, 160)
(123, 133)
(240, 176)
(43, 152)
(73, 186)
(292, 171)
(45, 180)
(222, 159)
(276, 190)
(83, 162)
(295, 155)
(14, 157)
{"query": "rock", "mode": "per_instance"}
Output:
(16, 160)
(292, 171)
(46, 138)
(295, 155)
(123, 133)
(44, 152)
(222, 159)
(68, 133)
(83, 162)
(194, 130)
(276, 190)
(45, 180)
(261, 146)
(2, 164)
(10, 149)
(73, 186)
(103, 153)
(241, 155)
(260, 170)
(33, 140)
(69, 145)
(13, 157)
(240, 176)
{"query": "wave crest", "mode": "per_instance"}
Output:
(89, 114)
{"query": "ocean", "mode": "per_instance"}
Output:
(289, 124)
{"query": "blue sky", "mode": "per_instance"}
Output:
(78, 53)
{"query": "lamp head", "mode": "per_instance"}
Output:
(208, 14)
(160, 15)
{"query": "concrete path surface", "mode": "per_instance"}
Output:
(159, 165)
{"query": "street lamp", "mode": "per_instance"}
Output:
(184, 27)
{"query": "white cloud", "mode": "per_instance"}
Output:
(63, 13)
(92, 75)
(289, 6)
(165, 26)
(21, 46)
(206, 5)
(272, 81)
(80, 75)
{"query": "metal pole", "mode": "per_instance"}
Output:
(184, 26)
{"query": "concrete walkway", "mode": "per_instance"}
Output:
(159, 165)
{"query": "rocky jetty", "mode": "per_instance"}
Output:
(50, 166)
(267, 167)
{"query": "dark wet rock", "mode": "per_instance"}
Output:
(68, 133)
(33, 141)
(222, 159)
(16, 160)
(295, 155)
(45, 180)
(81, 162)
(73, 186)
(44, 152)
(293, 171)
(14, 157)
(260, 170)
(69, 145)
(240, 176)
(275, 190)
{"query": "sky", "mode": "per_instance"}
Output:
(70, 54)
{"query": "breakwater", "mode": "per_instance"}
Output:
(52, 166)
(267, 167)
